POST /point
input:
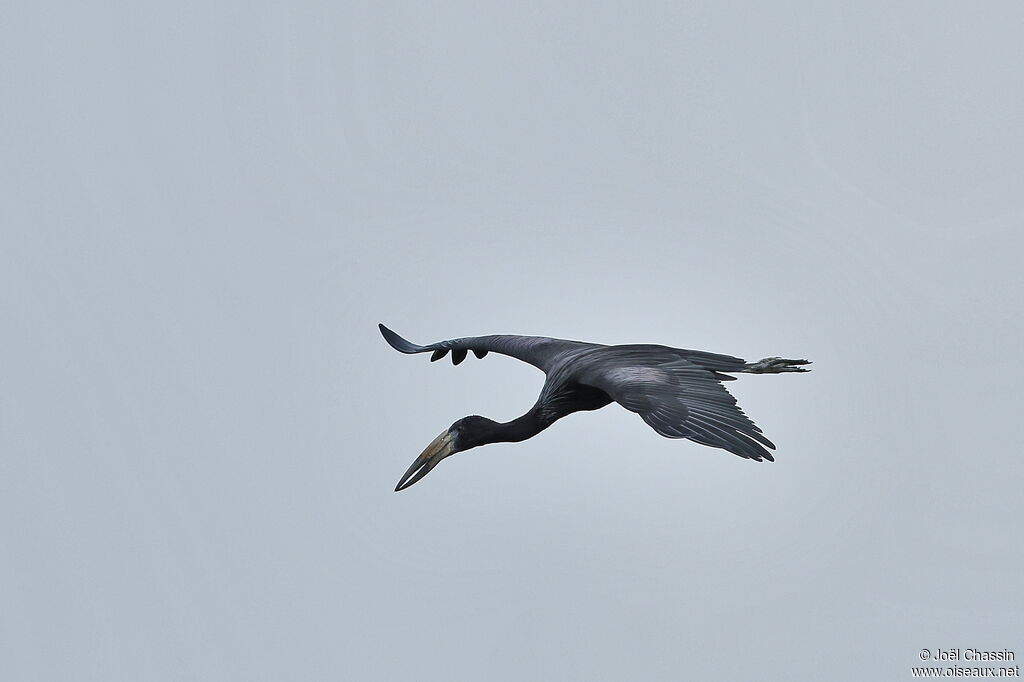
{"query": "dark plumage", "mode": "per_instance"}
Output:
(678, 392)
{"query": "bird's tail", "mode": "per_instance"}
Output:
(775, 366)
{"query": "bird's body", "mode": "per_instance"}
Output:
(677, 392)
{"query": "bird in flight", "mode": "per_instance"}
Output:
(678, 392)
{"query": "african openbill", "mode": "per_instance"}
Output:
(676, 391)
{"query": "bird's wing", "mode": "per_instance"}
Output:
(539, 351)
(679, 399)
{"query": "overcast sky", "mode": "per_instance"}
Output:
(207, 207)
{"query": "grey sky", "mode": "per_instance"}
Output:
(205, 209)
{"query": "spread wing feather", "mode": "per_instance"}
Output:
(679, 399)
(539, 351)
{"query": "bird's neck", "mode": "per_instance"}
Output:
(521, 428)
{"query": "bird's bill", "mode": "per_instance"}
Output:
(438, 449)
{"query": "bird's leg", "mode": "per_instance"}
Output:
(775, 366)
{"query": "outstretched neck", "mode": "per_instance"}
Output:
(519, 429)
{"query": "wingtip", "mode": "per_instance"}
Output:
(397, 342)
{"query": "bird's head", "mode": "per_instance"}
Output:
(468, 432)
